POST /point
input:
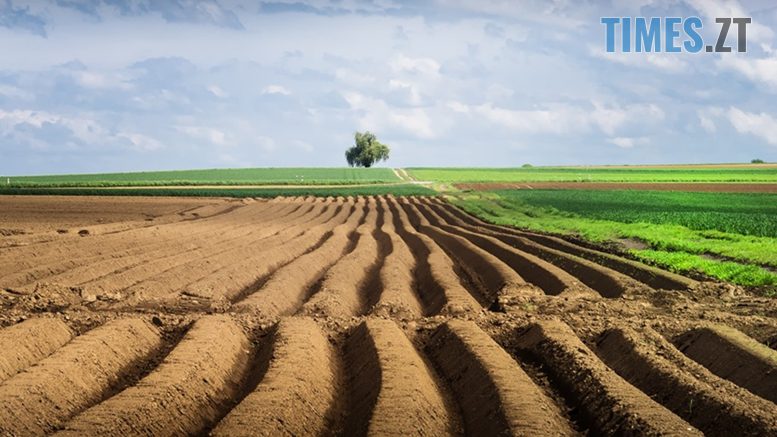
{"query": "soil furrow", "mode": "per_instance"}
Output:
(290, 401)
(734, 356)
(144, 244)
(191, 269)
(651, 276)
(398, 298)
(607, 282)
(392, 390)
(288, 288)
(77, 376)
(188, 392)
(715, 406)
(132, 279)
(551, 279)
(113, 271)
(340, 293)
(609, 404)
(410, 318)
(495, 276)
(236, 277)
(438, 284)
(85, 247)
(496, 396)
(491, 277)
(26, 343)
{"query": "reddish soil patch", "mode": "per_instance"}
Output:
(701, 187)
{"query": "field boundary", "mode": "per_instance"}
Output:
(699, 187)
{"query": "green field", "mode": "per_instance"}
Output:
(365, 190)
(595, 174)
(682, 231)
(740, 213)
(238, 176)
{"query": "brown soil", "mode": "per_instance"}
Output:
(361, 316)
(187, 392)
(50, 213)
(701, 187)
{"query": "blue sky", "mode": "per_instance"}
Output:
(112, 85)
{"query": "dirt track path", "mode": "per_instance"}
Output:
(367, 316)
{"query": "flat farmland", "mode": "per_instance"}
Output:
(764, 173)
(361, 315)
(694, 187)
(229, 176)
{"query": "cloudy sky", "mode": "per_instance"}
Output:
(115, 85)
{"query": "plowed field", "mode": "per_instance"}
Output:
(360, 316)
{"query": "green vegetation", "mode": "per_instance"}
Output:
(367, 151)
(232, 176)
(757, 161)
(596, 174)
(739, 213)
(366, 190)
(728, 271)
(674, 246)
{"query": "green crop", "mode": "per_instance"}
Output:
(365, 190)
(738, 213)
(232, 176)
(595, 174)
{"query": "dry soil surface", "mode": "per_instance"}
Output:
(358, 316)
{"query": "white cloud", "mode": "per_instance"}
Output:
(426, 66)
(214, 136)
(762, 70)
(353, 78)
(707, 124)
(561, 119)
(761, 125)
(12, 91)
(276, 89)
(141, 142)
(414, 93)
(496, 91)
(628, 142)
(96, 80)
(378, 115)
(82, 126)
(612, 119)
(458, 107)
(666, 62)
(307, 147)
(218, 92)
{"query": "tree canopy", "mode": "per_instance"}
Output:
(367, 151)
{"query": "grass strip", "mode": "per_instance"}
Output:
(367, 190)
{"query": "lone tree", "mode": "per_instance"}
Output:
(367, 151)
(757, 161)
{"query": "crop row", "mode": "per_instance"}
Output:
(257, 176)
(581, 174)
(364, 190)
(739, 213)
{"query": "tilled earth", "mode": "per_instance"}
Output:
(359, 316)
